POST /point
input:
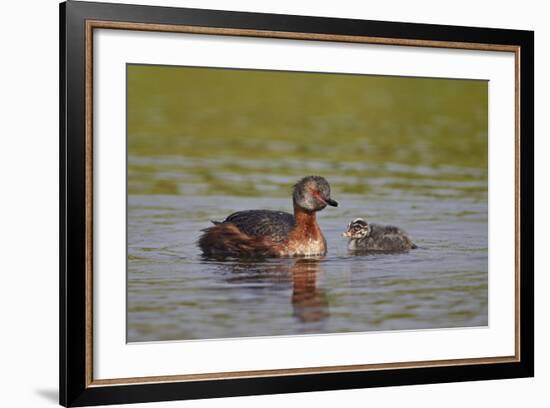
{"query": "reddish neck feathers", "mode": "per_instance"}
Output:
(306, 223)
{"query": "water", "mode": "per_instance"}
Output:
(174, 293)
(203, 143)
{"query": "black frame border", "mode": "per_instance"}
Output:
(72, 347)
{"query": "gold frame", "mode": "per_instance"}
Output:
(99, 24)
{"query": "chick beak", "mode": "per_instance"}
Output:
(346, 234)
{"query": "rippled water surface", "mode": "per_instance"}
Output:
(205, 143)
(175, 293)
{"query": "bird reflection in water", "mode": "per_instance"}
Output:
(309, 302)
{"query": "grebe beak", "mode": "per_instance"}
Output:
(346, 234)
(331, 202)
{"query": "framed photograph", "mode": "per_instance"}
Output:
(256, 203)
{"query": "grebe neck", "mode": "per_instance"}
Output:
(306, 221)
(306, 237)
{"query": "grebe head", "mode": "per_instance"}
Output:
(312, 193)
(357, 229)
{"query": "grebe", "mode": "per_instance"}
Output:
(274, 233)
(376, 238)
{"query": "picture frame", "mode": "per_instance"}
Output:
(78, 23)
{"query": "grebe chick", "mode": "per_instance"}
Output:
(274, 233)
(376, 238)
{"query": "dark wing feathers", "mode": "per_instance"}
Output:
(273, 224)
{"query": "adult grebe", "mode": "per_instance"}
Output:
(274, 233)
